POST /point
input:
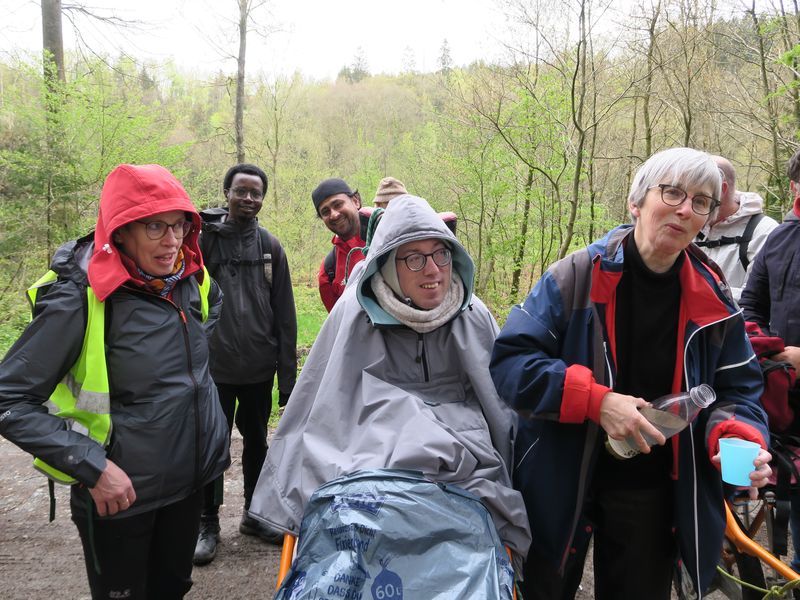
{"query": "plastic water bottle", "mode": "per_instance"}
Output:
(669, 414)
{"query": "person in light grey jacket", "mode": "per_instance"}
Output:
(734, 237)
(398, 378)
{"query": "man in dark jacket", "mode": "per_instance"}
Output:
(255, 337)
(338, 207)
(771, 297)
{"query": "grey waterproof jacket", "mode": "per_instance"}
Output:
(168, 432)
(375, 394)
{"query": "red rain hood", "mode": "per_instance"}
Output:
(133, 192)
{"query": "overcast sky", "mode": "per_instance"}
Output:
(317, 37)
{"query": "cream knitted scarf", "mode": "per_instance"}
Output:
(421, 321)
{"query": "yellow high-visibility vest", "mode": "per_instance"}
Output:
(82, 397)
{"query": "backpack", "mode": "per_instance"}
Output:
(329, 262)
(269, 241)
(780, 379)
(743, 240)
(779, 402)
(779, 399)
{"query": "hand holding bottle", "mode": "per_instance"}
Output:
(667, 415)
(621, 419)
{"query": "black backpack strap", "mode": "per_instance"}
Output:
(722, 241)
(783, 462)
(269, 251)
(743, 240)
(209, 240)
(329, 264)
(747, 235)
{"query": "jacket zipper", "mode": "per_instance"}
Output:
(590, 442)
(694, 465)
(195, 386)
(421, 358)
(195, 396)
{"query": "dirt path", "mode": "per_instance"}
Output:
(41, 560)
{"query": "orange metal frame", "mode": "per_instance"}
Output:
(747, 545)
(287, 553)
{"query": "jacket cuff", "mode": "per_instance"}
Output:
(596, 395)
(90, 469)
(582, 397)
(731, 428)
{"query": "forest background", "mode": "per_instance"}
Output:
(534, 153)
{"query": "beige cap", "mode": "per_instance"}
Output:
(388, 188)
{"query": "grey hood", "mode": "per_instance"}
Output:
(408, 218)
(375, 394)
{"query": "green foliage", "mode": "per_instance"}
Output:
(502, 146)
(58, 147)
(311, 314)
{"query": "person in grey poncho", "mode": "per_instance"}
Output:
(398, 378)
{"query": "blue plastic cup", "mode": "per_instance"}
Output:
(737, 458)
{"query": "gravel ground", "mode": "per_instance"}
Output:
(40, 560)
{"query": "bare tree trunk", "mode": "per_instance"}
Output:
(52, 41)
(277, 95)
(275, 155)
(629, 166)
(794, 65)
(770, 103)
(54, 77)
(523, 237)
(578, 100)
(239, 116)
(648, 87)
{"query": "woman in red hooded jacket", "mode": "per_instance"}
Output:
(137, 498)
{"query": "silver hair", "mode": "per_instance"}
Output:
(682, 167)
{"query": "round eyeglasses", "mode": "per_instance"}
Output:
(417, 260)
(242, 193)
(155, 230)
(675, 196)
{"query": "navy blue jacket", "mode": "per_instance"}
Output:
(772, 295)
(553, 362)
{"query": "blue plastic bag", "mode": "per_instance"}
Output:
(394, 535)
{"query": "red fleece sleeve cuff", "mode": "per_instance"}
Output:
(596, 395)
(731, 428)
(582, 396)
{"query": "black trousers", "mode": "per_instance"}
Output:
(143, 557)
(251, 418)
(634, 550)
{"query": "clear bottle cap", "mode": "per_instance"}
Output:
(702, 395)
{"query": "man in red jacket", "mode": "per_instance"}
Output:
(337, 205)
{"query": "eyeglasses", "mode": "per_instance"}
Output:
(675, 196)
(418, 260)
(156, 230)
(242, 193)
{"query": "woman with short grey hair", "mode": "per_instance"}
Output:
(634, 316)
(679, 167)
